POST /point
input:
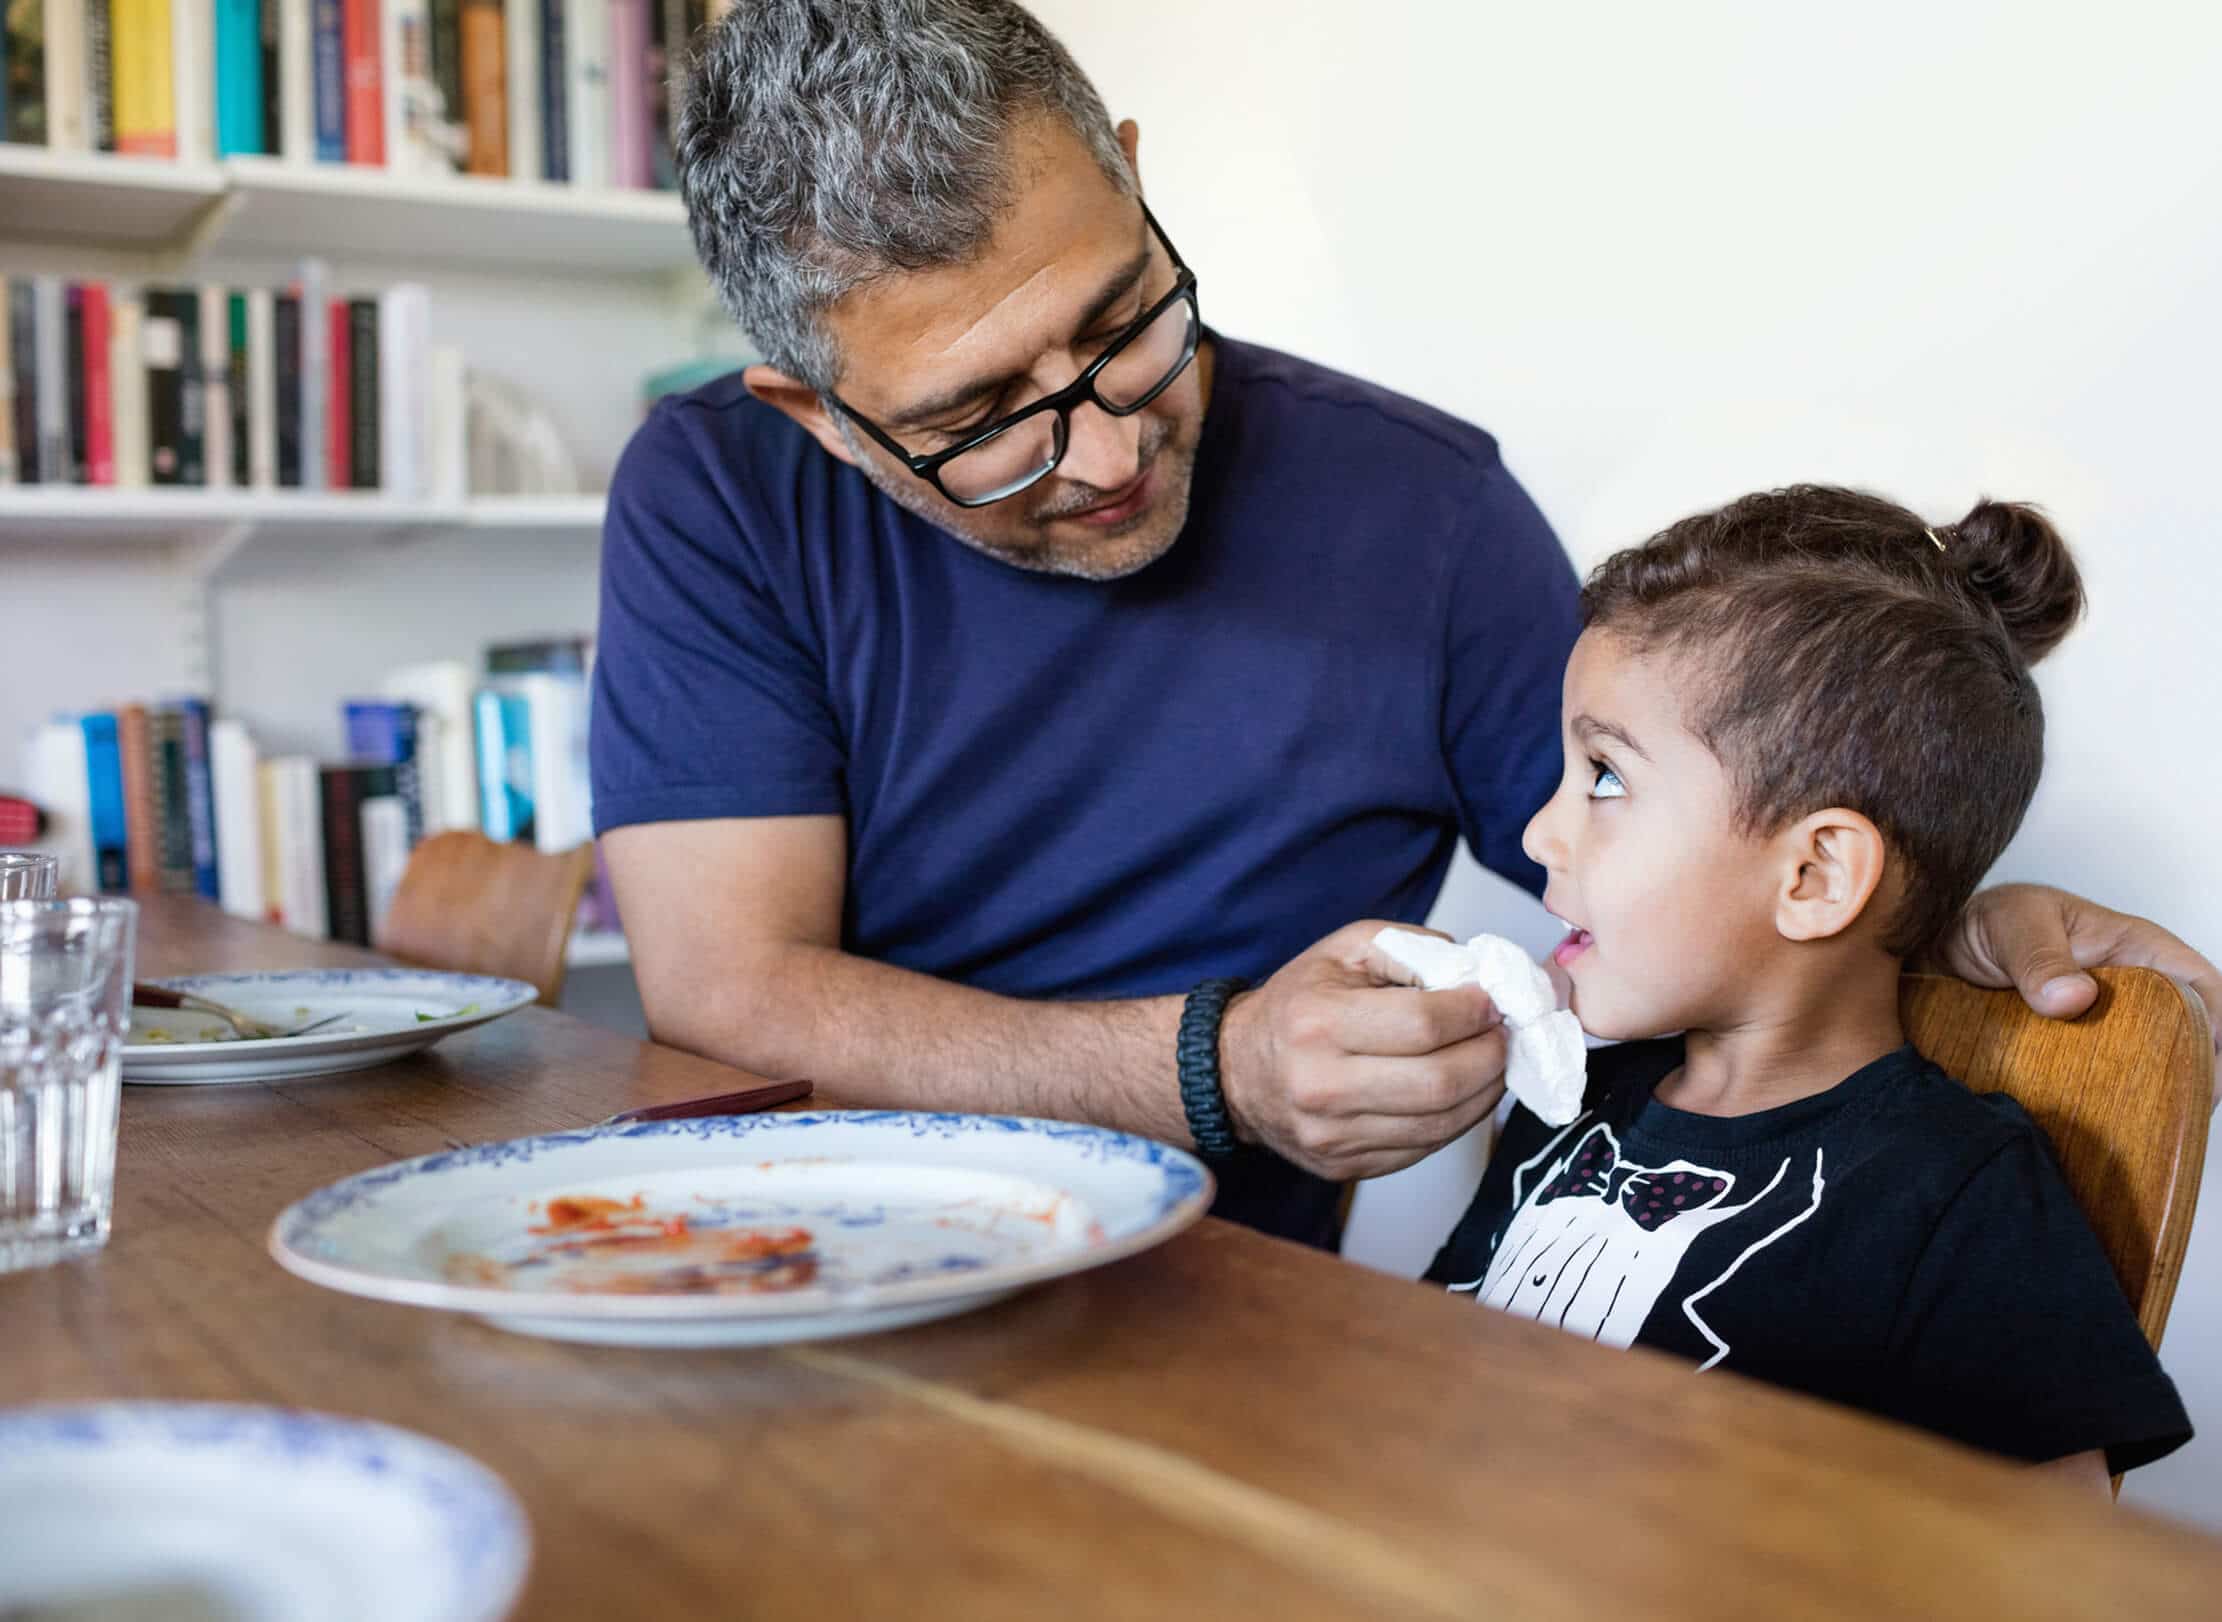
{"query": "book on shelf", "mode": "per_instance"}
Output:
(211, 387)
(68, 113)
(167, 797)
(100, 76)
(193, 78)
(328, 49)
(143, 55)
(241, 109)
(366, 96)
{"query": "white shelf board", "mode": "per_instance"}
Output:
(75, 513)
(268, 206)
(359, 213)
(97, 197)
(597, 949)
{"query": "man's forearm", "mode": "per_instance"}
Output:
(876, 1036)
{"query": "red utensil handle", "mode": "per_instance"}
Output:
(745, 1102)
(146, 996)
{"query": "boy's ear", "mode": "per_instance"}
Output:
(1833, 862)
(801, 402)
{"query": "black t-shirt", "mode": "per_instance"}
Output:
(1896, 1243)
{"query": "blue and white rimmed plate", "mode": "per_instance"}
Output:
(192, 1510)
(744, 1230)
(384, 1014)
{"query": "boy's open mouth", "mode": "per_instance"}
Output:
(1578, 940)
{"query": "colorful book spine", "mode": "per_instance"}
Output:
(68, 120)
(193, 78)
(232, 767)
(339, 399)
(328, 48)
(504, 765)
(363, 403)
(628, 92)
(446, 59)
(127, 384)
(366, 95)
(262, 389)
(555, 91)
(23, 360)
(386, 733)
(521, 48)
(95, 356)
(142, 827)
(214, 372)
(100, 76)
(270, 67)
(73, 360)
(285, 361)
(240, 106)
(200, 794)
(51, 334)
(146, 96)
(300, 86)
(485, 89)
(176, 407)
(586, 50)
(173, 805)
(23, 41)
(241, 396)
(316, 374)
(346, 789)
(105, 793)
(10, 472)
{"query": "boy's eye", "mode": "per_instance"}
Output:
(1608, 785)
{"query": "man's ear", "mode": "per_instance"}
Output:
(1130, 139)
(1832, 863)
(801, 402)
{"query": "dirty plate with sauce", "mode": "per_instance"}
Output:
(386, 1013)
(744, 1230)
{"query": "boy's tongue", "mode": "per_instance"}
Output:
(1576, 943)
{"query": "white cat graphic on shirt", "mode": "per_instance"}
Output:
(1596, 1239)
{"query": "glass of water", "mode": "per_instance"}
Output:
(65, 1003)
(27, 875)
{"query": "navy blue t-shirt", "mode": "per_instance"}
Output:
(1070, 789)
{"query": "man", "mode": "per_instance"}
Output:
(1010, 661)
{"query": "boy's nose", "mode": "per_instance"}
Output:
(1540, 840)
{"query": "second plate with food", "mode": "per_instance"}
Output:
(747, 1229)
(383, 1014)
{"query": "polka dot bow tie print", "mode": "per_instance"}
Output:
(1651, 1198)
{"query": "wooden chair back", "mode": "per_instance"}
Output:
(472, 906)
(2124, 1094)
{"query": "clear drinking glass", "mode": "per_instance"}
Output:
(28, 875)
(65, 1003)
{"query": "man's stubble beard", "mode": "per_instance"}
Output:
(1112, 556)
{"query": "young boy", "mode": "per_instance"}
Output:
(1798, 731)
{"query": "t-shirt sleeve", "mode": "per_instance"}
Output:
(2014, 1335)
(1513, 612)
(710, 697)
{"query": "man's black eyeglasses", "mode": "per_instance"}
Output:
(1023, 448)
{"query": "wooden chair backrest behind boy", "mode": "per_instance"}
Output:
(472, 906)
(2124, 1094)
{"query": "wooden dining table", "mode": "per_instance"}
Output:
(1227, 1425)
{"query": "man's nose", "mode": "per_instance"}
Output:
(1103, 450)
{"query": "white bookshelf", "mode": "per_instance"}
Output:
(184, 212)
(67, 514)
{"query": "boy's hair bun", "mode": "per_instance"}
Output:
(2010, 555)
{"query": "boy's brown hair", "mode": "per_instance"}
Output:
(1843, 653)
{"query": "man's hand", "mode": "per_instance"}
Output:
(1350, 1077)
(2040, 940)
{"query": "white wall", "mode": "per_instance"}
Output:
(1672, 253)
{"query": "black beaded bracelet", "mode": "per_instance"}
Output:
(1197, 1055)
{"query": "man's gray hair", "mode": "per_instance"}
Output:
(824, 143)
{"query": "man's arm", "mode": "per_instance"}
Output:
(2040, 940)
(735, 927)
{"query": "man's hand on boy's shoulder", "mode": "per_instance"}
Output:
(2040, 940)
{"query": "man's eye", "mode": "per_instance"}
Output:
(1608, 785)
